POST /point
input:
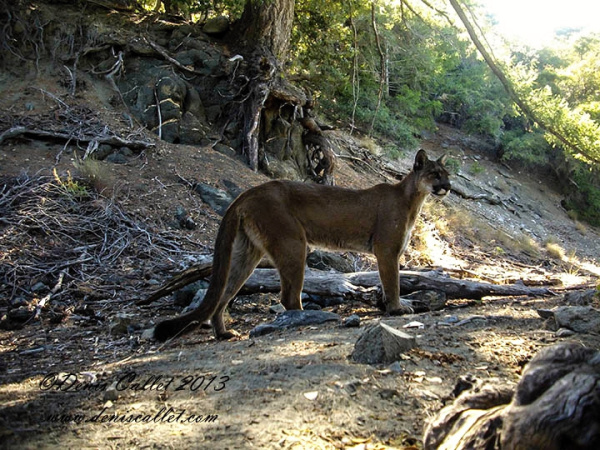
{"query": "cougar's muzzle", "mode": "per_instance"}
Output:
(441, 189)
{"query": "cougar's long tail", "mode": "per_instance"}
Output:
(218, 282)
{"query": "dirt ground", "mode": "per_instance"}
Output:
(73, 384)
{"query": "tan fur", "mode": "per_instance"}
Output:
(280, 218)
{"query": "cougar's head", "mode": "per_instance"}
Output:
(432, 175)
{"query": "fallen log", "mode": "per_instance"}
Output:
(66, 136)
(355, 284)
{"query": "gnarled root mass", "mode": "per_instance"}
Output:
(556, 405)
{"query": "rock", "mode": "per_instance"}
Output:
(310, 306)
(294, 318)
(352, 321)
(183, 219)
(126, 151)
(111, 394)
(185, 295)
(117, 158)
(102, 151)
(580, 298)
(21, 314)
(217, 199)
(233, 189)
(216, 26)
(225, 150)
(39, 287)
(120, 324)
(581, 319)
(148, 334)
(422, 301)
(564, 332)
(382, 344)
(321, 260)
(277, 308)
(195, 301)
(396, 367)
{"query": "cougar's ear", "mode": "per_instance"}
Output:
(420, 160)
(442, 159)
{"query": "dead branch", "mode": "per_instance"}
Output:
(165, 54)
(43, 134)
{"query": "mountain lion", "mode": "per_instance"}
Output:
(280, 218)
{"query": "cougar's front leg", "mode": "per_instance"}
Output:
(387, 262)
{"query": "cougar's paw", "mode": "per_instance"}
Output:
(402, 308)
(227, 335)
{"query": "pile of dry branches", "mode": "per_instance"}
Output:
(61, 243)
(74, 125)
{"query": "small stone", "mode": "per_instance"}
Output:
(396, 367)
(39, 287)
(148, 334)
(185, 295)
(195, 301)
(120, 324)
(276, 308)
(117, 158)
(564, 332)
(311, 306)
(217, 199)
(103, 151)
(126, 151)
(111, 393)
(352, 321)
(21, 314)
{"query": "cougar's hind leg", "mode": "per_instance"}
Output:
(289, 256)
(245, 258)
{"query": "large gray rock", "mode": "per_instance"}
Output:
(382, 344)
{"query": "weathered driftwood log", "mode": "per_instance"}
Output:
(354, 284)
(556, 405)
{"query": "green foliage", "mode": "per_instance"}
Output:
(476, 168)
(71, 187)
(585, 199)
(529, 147)
(453, 165)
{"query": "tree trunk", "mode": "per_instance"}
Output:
(268, 24)
(271, 101)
